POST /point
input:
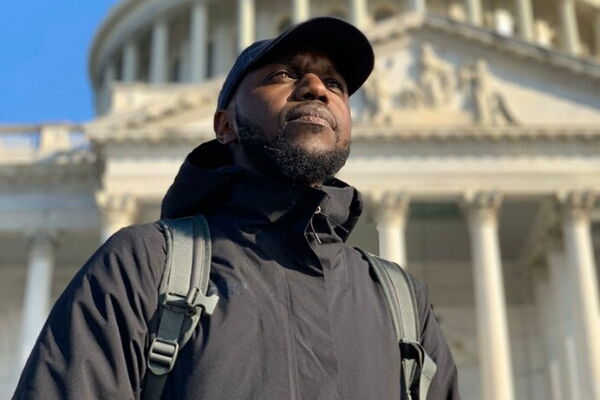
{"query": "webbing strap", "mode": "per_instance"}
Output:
(417, 367)
(181, 295)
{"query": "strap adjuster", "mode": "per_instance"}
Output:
(190, 304)
(162, 355)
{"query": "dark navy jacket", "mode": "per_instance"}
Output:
(301, 315)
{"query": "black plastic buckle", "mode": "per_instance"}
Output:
(191, 304)
(162, 356)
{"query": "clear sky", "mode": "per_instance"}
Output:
(43, 59)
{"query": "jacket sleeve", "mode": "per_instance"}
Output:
(444, 385)
(92, 345)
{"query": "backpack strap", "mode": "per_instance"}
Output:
(182, 297)
(418, 368)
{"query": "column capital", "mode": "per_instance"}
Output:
(576, 206)
(389, 207)
(42, 237)
(120, 203)
(482, 206)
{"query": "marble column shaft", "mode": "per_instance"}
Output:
(246, 23)
(300, 10)
(563, 305)
(579, 252)
(568, 26)
(130, 61)
(525, 19)
(37, 288)
(390, 216)
(492, 325)
(359, 13)
(474, 12)
(159, 52)
(199, 40)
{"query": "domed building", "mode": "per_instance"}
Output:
(476, 146)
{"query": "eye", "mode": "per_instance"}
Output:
(334, 84)
(282, 76)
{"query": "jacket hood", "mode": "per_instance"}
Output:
(208, 179)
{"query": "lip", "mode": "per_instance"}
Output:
(312, 115)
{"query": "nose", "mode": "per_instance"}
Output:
(311, 87)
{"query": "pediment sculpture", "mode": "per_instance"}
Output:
(438, 88)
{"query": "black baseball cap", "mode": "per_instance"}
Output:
(347, 47)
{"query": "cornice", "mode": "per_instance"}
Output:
(67, 167)
(478, 132)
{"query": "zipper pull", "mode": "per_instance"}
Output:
(312, 227)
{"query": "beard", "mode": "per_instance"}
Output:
(280, 158)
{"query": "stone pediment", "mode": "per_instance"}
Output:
(432, 72)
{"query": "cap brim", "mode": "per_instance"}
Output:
(347, 46)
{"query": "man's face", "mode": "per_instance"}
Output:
(293, 115)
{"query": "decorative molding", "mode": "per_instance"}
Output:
(577, 206)
(389, 207)
(482, 207)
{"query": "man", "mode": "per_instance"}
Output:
(300, 314)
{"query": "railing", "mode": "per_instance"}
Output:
(30, 142)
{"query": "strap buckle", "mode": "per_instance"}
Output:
(162, 355)
(190, 304)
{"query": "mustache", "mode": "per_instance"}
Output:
(311, 110)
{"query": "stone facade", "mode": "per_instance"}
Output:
(476, 144)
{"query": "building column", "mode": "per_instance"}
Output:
(159, 52)
(130, 62)
(116, 211)
(492, 326)
(597, 34)
(359, 13)
(474, 13)
(37, 288)
(300, 10)
(550, 324)
(390, 211)
(576, 209)
(562, 305)
(525, 18)
(199, 40)
(417, 6)
(246, 24)
(568, 26)
(108, 77)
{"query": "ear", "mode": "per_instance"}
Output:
(224, 128)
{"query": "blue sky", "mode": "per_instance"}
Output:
(43, 63)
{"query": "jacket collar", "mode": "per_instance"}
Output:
(208, 181)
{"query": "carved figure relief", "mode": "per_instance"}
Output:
(379, 98)
(489, 105)
(438, 86)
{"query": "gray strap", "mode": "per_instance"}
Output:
(417, 367)
(181, 295)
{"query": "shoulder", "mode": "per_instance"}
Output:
(137, 252)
